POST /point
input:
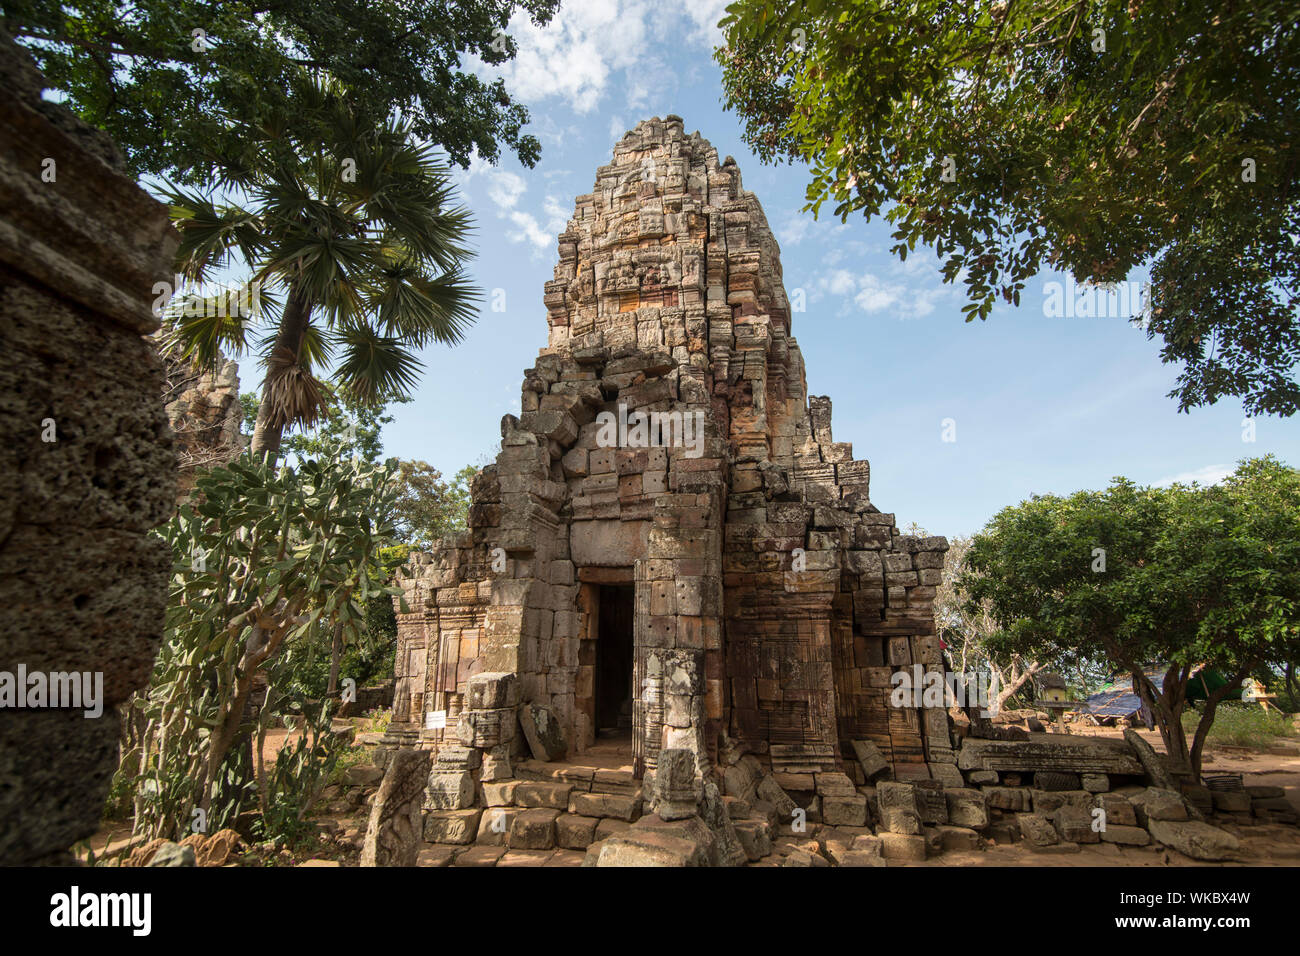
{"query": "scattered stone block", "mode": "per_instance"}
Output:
(967, 808)
(499, 794)
(1157, 803)
(844, 811)
(485, 729)
(533, 830)
(553, 796)
(1152, 763)
(480, 856)
(436, 856)
(1118, 809)
(1008, 798)
(1095, 782)
(450, 791)
(1074, 824)
(1036, 829)
(860, 858)
(1125, 835)
(573, 832)
(774, 794)
(650, 847)
(1232, 801)
(618, 806)
(755, 838)
(494, 826)
(958, 838)
(492, 691)
(905, 847)
(898, 811)
(451, 826)
(609, 826)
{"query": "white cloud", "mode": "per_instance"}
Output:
(1209, 475)
(588, 42)
(529, 229)
(793, 230)
(505, 188)
(875, 296)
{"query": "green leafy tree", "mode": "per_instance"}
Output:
(265, 563)
(428, 507)
(1094, 136)
(138, 70)
(1185, 576)
(355, 224)
(355, 428)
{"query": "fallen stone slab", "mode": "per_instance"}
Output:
(480, 856)
(861, 858)
(1153, 765)
(650, 847)
(1192, 838)
(870, 758)
(1048, 752)
(543, 732)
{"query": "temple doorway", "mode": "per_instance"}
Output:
(614, 657)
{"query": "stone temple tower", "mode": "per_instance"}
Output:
(719, 581)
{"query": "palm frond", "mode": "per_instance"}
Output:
(211, 234)
(408, 304)
(374, 367)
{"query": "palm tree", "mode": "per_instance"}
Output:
(354, 245)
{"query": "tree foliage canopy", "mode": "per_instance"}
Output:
(1185, 576)
(165, 95)
(1094, 136)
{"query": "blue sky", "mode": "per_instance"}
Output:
(1040, 404)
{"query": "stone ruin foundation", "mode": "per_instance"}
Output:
(723, 601)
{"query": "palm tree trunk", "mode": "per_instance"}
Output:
(293, 325)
